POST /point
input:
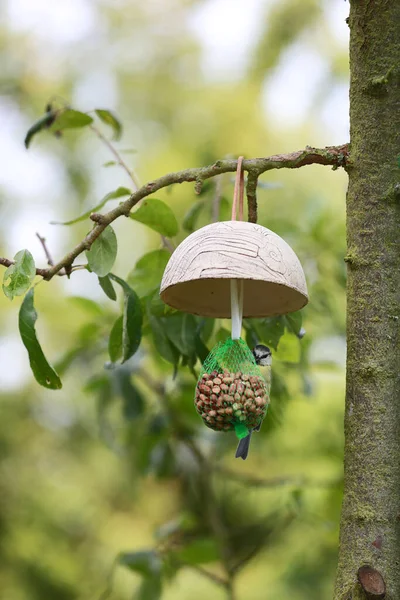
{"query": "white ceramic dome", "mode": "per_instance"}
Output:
(197, 276)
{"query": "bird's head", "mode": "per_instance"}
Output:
(262, 355)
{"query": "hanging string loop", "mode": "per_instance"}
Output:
(238, 193)
(237, 284)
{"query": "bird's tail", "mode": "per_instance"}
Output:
(243, 447)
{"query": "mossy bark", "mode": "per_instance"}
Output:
(370, 523)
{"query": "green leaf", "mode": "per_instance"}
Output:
(110, 163)
(98, 382)
(121, 191)
(146, 275)
(222, 335)
(43, 123)
(191, 217)
(21, 274)
(157, 215)
(252, 338)
(115, 340)
(107, 287)
(71, 119)
(132, 325)
(205, 328)
(266, 331)
(88, 334)
(146, 563)
(189, 332)
(294, 322)
(133, 403)
(181, 330)
(110, 119)
(172, 327)
(201, 349)
(132, 320)
(103, 252)
(289, 350)
(87, 305)
(157, 307)
(199, 552)
(162, 344)
(150, 589)
(43, 372)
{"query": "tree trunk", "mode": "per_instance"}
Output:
(370, 522)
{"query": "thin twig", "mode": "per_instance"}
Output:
(117, 156)
(42, 240)
(211, 576)
(167, 244)
(335, 156)
(230, 589)
(195, 450)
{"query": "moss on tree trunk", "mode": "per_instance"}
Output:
(370, 522)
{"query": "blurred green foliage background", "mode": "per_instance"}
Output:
(84, 478)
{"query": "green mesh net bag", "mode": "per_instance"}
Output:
(231, 393)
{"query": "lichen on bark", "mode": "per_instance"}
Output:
(371, 503)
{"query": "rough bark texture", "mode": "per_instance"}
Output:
(370, 523)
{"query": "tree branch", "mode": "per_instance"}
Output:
(251, 191)
(334, 156)
(7, 263)
(205, 573)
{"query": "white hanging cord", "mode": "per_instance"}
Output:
(241, 284)
(237, 284)
(236, 308)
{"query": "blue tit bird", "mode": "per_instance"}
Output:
(263, 358)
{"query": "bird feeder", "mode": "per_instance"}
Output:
(233, 269)
(198, 276)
